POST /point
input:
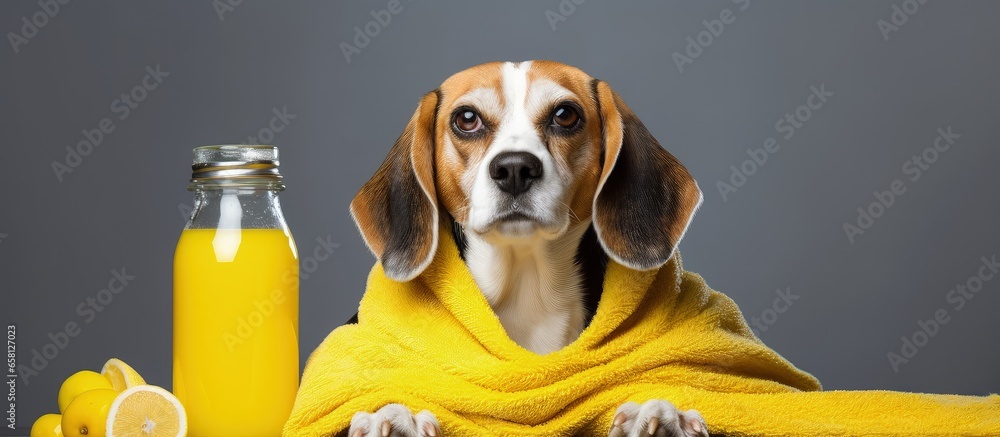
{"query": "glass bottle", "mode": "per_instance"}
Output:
(236, 286)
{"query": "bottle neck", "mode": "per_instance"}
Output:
(236, 207)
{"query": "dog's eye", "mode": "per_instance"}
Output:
(468, 121)
(565, 116)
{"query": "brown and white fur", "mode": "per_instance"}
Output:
(543, 173)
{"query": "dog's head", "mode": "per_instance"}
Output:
(517, 152)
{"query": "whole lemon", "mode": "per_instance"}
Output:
(49, 425)
(87, 415)
(79, 382)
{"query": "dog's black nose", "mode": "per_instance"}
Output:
(514, 172)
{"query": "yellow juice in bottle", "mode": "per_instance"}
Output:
(236, 362)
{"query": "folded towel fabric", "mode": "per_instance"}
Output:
(434, 343)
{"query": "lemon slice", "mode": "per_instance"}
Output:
(121, 375)
(146, 411)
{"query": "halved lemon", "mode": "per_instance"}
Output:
(146, 411)
(121, 375)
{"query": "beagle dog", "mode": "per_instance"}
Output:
(542, 173)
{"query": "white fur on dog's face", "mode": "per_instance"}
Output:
(518, 110)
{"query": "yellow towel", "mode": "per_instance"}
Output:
(434, 343)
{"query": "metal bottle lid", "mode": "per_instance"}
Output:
(235, 163)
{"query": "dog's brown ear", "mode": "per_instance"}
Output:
(396, 210)
(645, 198)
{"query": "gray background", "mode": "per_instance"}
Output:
(782, 229)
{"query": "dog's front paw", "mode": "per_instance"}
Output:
(656, 418)
(394, 420)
